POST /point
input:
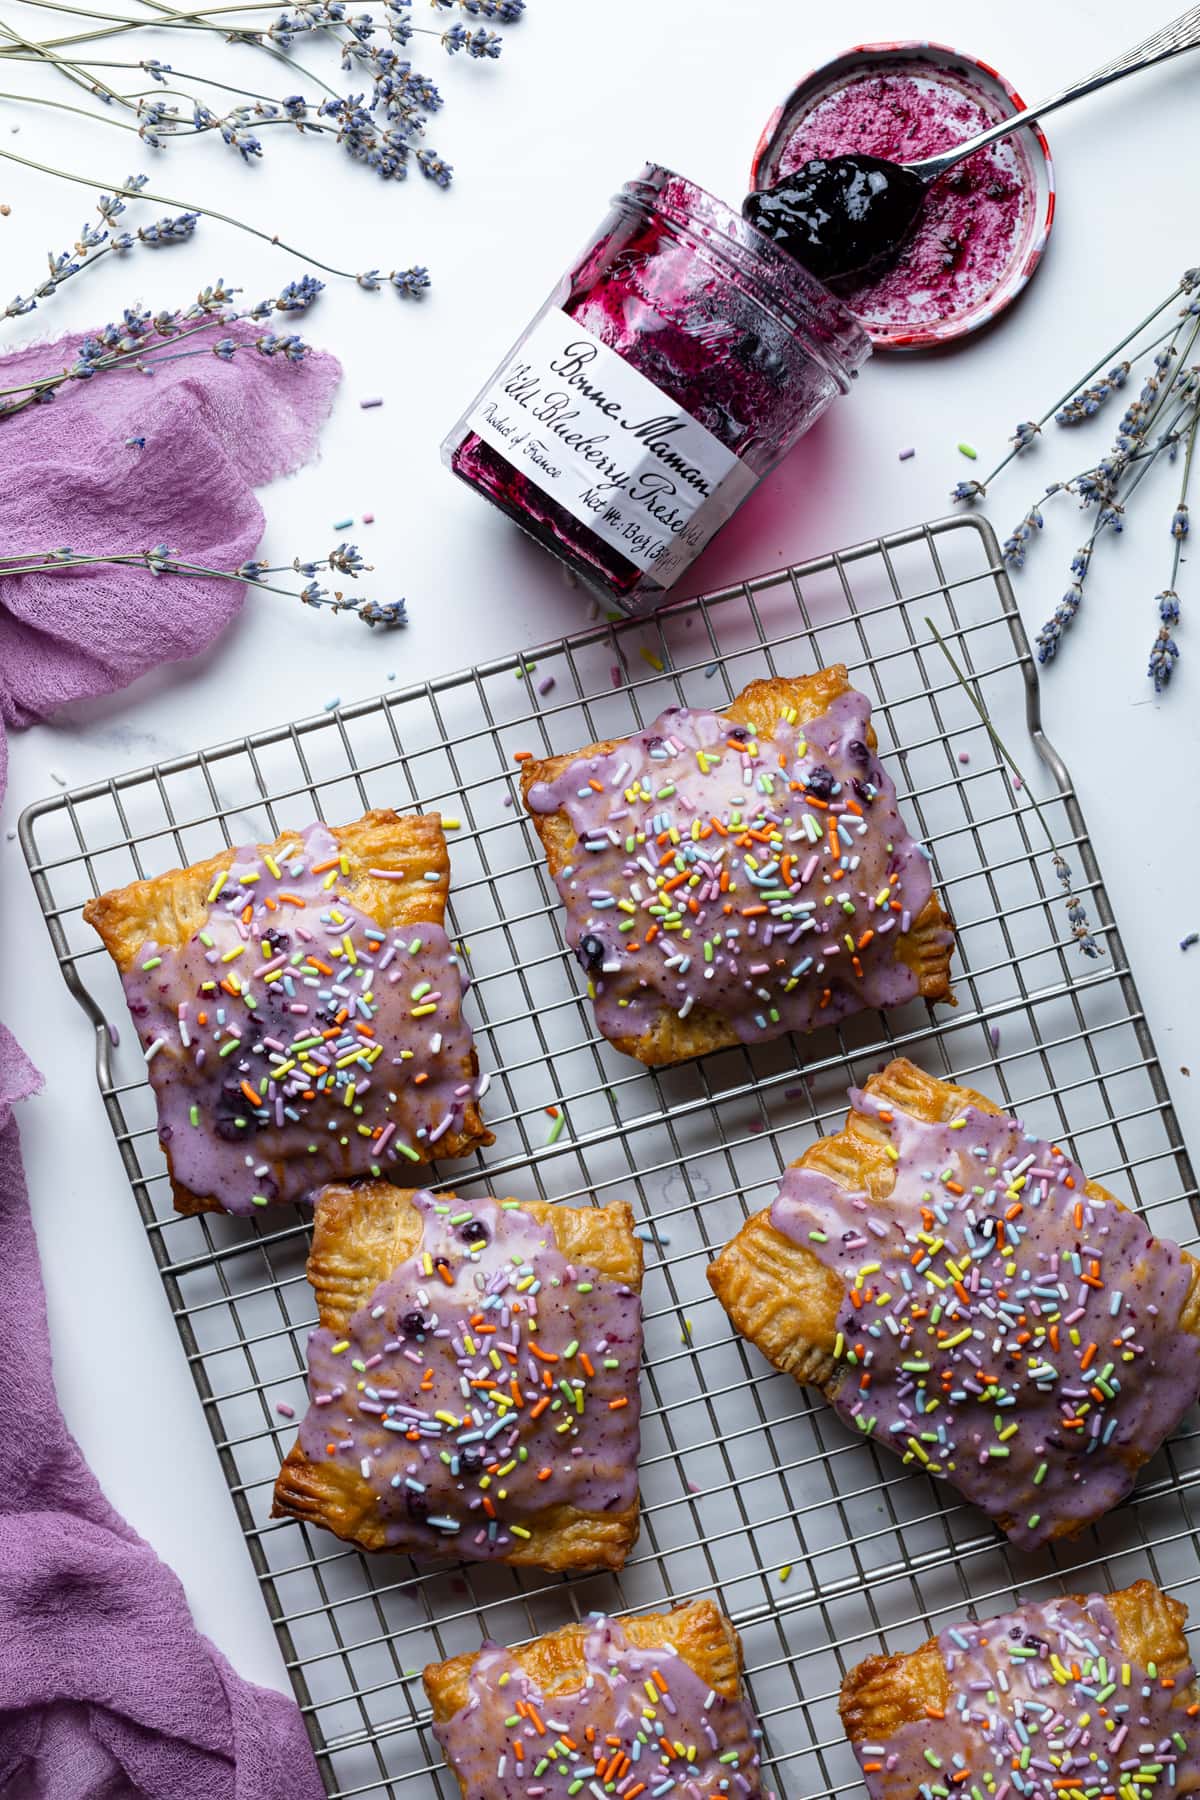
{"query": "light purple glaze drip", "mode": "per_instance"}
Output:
(614, 1701)
(308, 1128)
(803, 957)
(978, 1360)
(407, 1353)
(1010, 1704)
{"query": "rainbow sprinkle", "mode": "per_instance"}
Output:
(1005, 1327)
(766, 879)
(292, 1040)
(1044, 1705)
(641, 1724)
(485, 1382)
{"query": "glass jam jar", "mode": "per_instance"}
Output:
(675, 365)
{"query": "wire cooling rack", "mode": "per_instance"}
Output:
(820, 1549)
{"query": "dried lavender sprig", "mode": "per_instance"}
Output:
(1110, 517)
(311, 15)
(1164, 652)
(1088, 401)
(506, 11)
(96, 242)
(975, 490)
(209, 212)
(1017, 543)
(143, 340)
(161, 560)
(357, 133)
(1081, 930)
(1100, 484)
(398, 94)
(1085, 484)
(384, 147)
(1099, 481)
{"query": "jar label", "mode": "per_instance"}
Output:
(591, 431)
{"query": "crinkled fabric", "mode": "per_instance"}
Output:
(214, 431)
(107, 1690)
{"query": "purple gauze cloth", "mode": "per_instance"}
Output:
(107, 1690)
(213, 432)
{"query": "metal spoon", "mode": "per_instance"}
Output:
(840, 215)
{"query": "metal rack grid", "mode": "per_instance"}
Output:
(744, 1475)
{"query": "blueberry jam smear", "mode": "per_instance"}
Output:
(840, 215)
(974, 219)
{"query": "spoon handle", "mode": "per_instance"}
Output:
(1182, 33)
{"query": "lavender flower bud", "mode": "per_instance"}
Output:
(297, 296)
(410, 282)
(391, 613)
(1164, 654)
(346, 560)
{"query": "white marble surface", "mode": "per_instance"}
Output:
(583, 95)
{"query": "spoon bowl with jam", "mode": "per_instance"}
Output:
(849, 212)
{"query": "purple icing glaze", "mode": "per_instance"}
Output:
(1002, 1328)
(1037, 1696)
(352, 1036)
(706, 877)
(674, 1732)
(486, 1381)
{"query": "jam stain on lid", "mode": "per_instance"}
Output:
(979, 231)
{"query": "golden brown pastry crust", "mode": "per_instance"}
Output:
(925, 948)
(885, 1692)
(699, 1632)
(361, 1234)
(785, 1300)
(170, 908)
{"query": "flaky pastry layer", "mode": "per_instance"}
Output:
(169, 909)
(883, 1693)
(699, 1632)
(925, 949)
(786, 1301)
(361, 1234)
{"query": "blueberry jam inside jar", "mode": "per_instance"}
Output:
(670, 370)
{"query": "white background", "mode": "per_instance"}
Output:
(584, 94)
